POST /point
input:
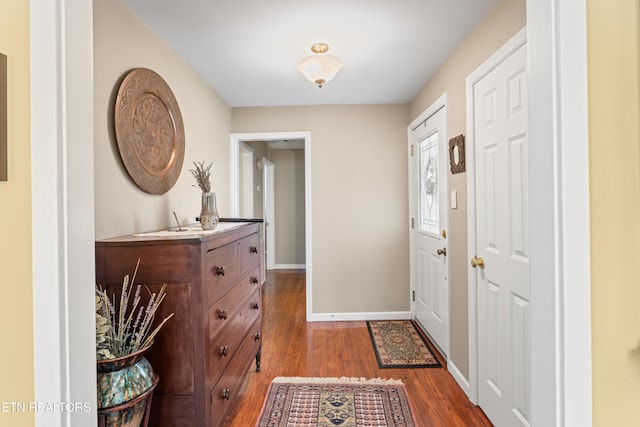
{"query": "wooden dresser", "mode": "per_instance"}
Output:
(205, 351)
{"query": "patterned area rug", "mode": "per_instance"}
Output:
(398, 344)
(345, 402)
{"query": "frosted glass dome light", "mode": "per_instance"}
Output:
(320, 68)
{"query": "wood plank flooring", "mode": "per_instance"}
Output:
(293, 347)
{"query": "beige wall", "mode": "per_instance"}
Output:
(289, 206)
(506, 19)
(122, 42)
(360, 239)
(16, 303)
(613, 30)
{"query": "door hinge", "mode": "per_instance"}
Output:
(411, 150)
(413, 223)
(413, 296)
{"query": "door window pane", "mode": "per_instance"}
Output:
(429, 198)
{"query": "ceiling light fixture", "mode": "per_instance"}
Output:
(319, 68)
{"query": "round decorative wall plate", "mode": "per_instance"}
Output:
(149, 131)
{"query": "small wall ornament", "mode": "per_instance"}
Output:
(456, 154)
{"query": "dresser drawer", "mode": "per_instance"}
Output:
(231, 382)
(224, 346)
(221, 270)
(249, 252)
(225, 307)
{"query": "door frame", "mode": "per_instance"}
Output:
(62, 214)
(234, 191)
(559, 213)
(440, 103)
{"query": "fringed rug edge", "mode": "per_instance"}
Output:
(336, 380)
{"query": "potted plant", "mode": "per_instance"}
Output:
(124, 331)
(209, 211)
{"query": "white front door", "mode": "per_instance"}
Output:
(429, 190)
(502, 249)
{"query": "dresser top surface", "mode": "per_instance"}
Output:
(190, 232)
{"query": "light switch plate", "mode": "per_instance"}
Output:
(454, 199)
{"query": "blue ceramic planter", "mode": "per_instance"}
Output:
(125, 386)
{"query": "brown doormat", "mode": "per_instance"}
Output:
(398, 344)
(329, 402)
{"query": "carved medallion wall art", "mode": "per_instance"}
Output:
(149, 131)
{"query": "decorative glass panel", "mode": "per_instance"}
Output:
(429, 197)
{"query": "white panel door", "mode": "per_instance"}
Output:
(429, 192)
(502, 261)
(246, 180)
(268, 212)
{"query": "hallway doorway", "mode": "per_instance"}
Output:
(296, 227)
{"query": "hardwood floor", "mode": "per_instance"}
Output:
(293, 347)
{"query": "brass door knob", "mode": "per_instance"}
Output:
(442, 251)
(477, 262)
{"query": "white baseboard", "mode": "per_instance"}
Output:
(289, 266)
(345, 317)
(460, 379)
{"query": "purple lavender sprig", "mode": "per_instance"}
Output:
(202, 175)
(127, 330)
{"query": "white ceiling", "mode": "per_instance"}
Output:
(248, 50)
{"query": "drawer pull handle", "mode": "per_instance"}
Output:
(226, 393)
(253, 280)
(220, 271)
(223, 315)
(256, 336)
(255, 306)
(224, 350)
(253, 249)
